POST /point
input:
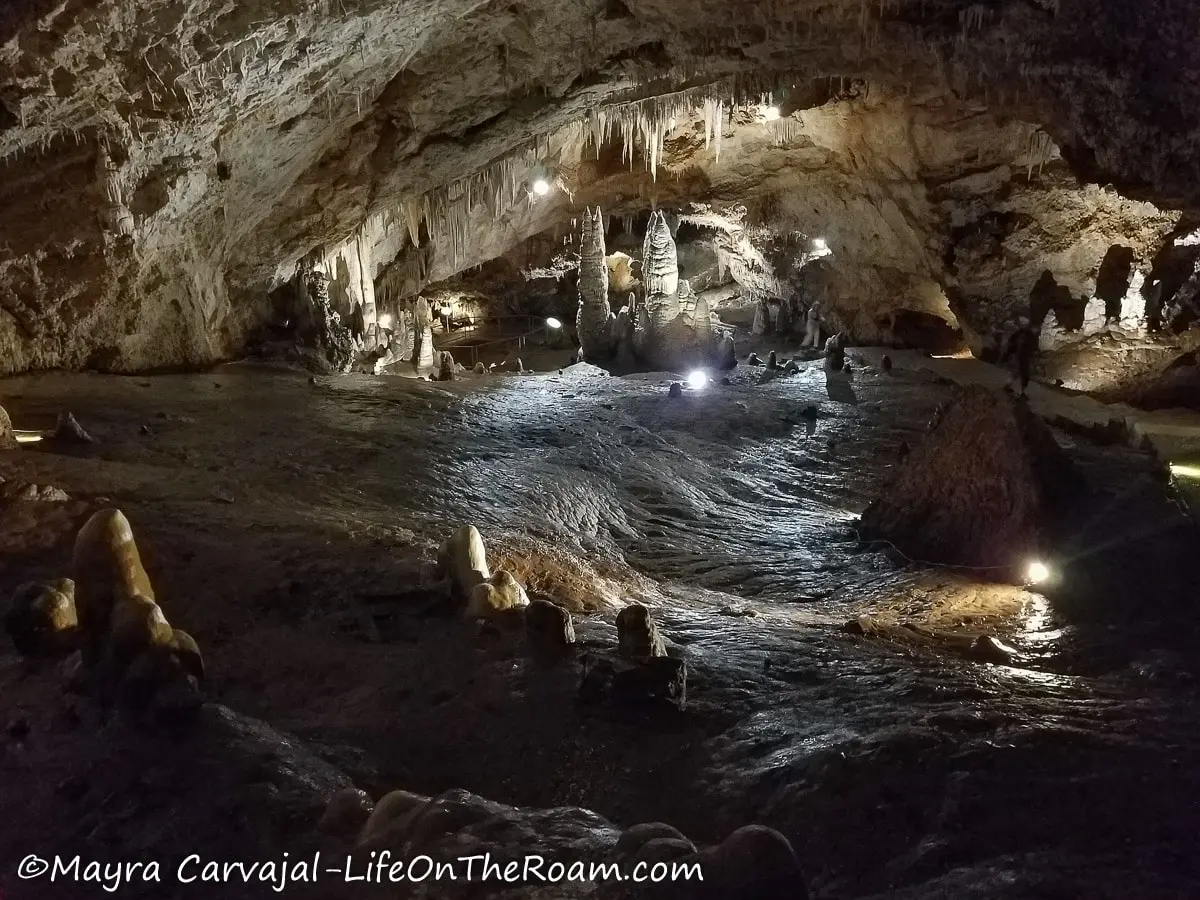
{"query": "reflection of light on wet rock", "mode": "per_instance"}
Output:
(1037, 620)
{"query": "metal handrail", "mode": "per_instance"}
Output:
(518, 339)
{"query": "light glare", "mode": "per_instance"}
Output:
(697, 380)
(28, 437)
(541, 187)
(820, 244)
(553, 322)
(1037, 572)
(1185, 471)
(771, 113)
(385, 321)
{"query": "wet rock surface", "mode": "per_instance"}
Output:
(893, 769)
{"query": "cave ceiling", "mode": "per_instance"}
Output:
(244, 134)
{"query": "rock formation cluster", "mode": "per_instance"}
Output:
(128, 653)
(668, 326)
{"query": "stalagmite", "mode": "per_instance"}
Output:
(726, 354)
(762, 319)
(660, 272)
(423, 358)
(594, 319)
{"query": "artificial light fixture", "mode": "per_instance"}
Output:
(771, 113)
(385, 322)
(1037, 572)
(697, 380)
(541, 187)
(820, 244)
(28, 437)
(553, 323)
(1185, 471)
(445, 311)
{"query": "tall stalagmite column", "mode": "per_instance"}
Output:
(594, 320)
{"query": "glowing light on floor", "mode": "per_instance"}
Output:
(1185, 471)
(553, 323)
(1037, 572)
(541, 187)
(771, 113)
(697, 380)
(961, 354)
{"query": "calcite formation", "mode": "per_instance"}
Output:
(594, 321)
(985, 489)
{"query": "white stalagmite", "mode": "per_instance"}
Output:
(594, 320)
(423, 358)
(660, 263)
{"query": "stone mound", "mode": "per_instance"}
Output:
(8, 440)
(982, 490)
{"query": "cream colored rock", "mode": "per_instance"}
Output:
(462, 560)
(107, 570)
(621, 279)
(499, 594)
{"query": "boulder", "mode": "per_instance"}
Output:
(983, 489)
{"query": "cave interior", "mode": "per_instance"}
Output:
(702, 312)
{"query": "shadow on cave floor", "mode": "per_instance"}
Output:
(274, 512)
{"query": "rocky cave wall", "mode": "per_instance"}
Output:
(248, 135)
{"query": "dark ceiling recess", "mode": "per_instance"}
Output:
(615, 9)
